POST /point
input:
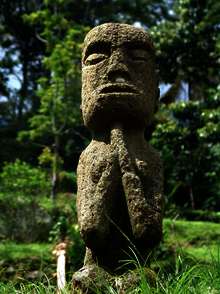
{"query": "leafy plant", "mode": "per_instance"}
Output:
(22, 189)
(66, 229)
(187, 136)
(21, 179)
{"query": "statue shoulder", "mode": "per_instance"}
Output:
(94, 152)
(149, 162)
(86, 153)
(151, 154)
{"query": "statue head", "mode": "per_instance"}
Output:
(119, 83)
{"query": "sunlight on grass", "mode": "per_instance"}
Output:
(193, 232)
(199, 239)
(19, 251)
(205, 253)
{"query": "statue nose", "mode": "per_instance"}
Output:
(118, 76)
(118, 70)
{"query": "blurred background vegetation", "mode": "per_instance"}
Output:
(41, 130)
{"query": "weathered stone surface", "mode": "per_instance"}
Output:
(119, 198)
(114, 61)
(93, 279)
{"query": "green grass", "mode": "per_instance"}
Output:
(25, 262)
(14, 251)
(191, 249)
(204, 253)
(35, 288)
(200, 278)
(199, 239)
(193, 232)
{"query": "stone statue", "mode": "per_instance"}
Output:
(119, 198)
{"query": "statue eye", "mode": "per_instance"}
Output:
(95, 58)
(139, 55)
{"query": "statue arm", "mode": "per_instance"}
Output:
(94, 202)
(145, 217)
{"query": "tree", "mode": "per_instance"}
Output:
(188, 132)
(188, 139)
(188, 45)
(20, 67)
(59, 92)
(59, 108)
(21, 57)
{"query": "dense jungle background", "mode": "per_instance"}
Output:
(42, 134)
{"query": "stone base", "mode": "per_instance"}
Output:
(92, 278)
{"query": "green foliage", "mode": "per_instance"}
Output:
(59, 91)
(91, 14)
(188, 139)
(21, 53)
(46, 157)
(201, 215)
(21, 179)
(67, 181)
(187, 45)
(64, 215)
(24, 194)
(20, 68)
(66, 229)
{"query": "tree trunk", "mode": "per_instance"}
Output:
(54, 182)
(192, 201)
(171, 94)
(24, 87)
(196, 91)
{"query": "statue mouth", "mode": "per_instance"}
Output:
(117, 88)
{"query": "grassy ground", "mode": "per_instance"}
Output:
(188, 261)
(15, 251)
(197, 279)
(199, 239)
(21, 262)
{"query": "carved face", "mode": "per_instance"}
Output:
(118, 77)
